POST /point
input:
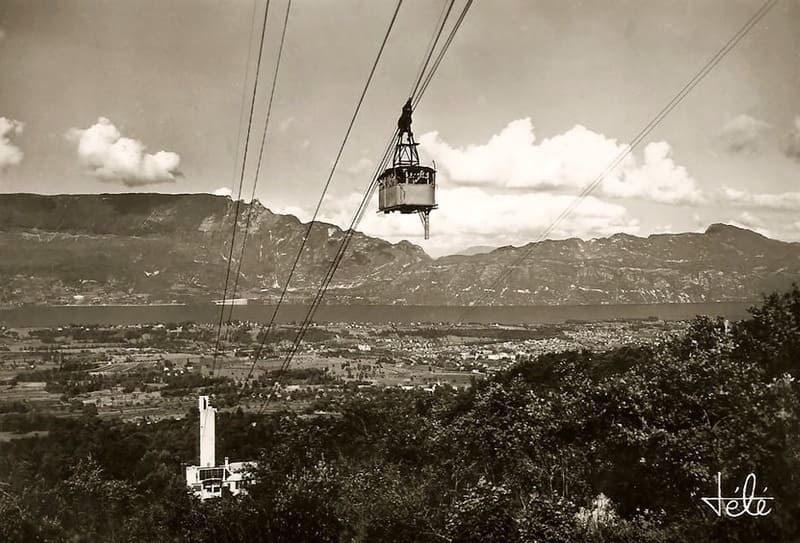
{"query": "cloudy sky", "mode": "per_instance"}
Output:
(534, 99)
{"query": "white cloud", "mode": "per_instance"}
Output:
(750, 220)
(743, 134)
(513, 160)
(658, 179)
(792, 148)
(789, 231)
(223, 191)
(10, 154)
(469, 216)
(111, 157)
(786, 201)
(2, 33)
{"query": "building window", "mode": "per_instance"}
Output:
(211, 473)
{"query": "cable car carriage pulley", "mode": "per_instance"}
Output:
(407, 186)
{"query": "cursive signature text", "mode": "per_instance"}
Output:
(745, 504)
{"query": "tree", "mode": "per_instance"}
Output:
(16, 522)
(772, 336)
(483, 514)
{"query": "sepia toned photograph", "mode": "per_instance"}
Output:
(437, 271)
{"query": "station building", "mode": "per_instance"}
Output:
(209, 479)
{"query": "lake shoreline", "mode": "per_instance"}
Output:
(57, 315)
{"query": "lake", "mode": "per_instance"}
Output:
(46, 316)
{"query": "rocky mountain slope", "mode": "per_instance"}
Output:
(147, 248)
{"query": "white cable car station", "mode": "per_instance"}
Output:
(209, 479)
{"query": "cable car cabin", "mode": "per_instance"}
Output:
(407, 187)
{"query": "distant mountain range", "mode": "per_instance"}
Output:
(161, 248)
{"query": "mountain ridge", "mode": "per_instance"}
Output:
(151, 247)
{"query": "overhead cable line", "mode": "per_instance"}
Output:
(442, 52)
(325, 187)
(359, 215)
(241, 116)
(654, 122)
(356, 219)
(246, 231)
(440, 23)
(241, 181)
(362, 206)
(244, 91)
(328, 277)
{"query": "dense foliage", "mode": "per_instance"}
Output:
(570, 447)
